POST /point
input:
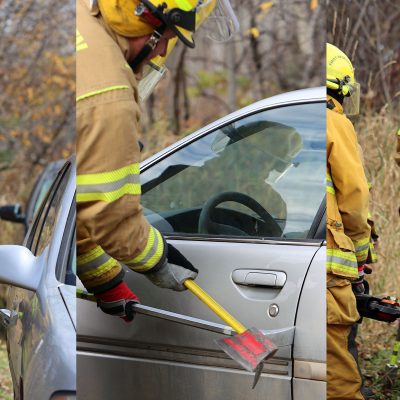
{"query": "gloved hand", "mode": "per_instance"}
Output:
(118, 301)
(173, 272)
(359, 285)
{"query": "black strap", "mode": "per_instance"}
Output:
(148, 47)
(118, 308)
(330, 104)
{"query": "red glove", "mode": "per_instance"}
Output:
(118, 301)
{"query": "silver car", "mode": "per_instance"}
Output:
(40, 317)
(13, 212)
(244, 200)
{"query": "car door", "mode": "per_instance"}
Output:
(240, 201)
(25, 338)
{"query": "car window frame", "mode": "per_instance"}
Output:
(35, 192)
(42, 213)
(67, 240)
(158, 157)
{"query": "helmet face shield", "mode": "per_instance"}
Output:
(153, 72)
(221, 24)
(351, 103)
(152, 75)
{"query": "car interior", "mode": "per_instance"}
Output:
(246, 162)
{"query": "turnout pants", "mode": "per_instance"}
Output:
(344, 380)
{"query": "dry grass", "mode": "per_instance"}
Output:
(6, 386)
(16, 185)
(377, 138)
(376, 134)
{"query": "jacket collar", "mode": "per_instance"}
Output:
(334, 105)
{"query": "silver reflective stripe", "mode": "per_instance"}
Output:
(362, 248)
(149, 254)
(108, 187)
(91, 265)
(341, 261)
(329, 183)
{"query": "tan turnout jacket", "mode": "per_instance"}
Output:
(110, 224)
(348, 232)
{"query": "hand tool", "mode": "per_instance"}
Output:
(249, 347)
(169, 316)
(386, 309)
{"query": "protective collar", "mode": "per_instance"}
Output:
(337, 107)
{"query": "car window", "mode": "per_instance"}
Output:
(47, 217)
(260, 176)
(70, 273)
(41, 188)
(66, 263)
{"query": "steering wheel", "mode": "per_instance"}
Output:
(207, 225)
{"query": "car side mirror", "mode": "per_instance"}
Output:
(19, 267)
(12, 213)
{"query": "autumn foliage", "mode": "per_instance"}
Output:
(37, 96)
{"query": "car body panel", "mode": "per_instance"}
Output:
(305, 389)
(68, 293)
(42, 343)
(159, 354)
(170, 380)
(310, 347)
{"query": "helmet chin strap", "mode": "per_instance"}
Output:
(148, 47)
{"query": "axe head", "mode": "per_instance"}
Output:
(249, 349)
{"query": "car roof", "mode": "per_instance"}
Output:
(296, 96)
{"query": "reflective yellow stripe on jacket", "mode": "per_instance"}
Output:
(80, 42)
(108, 186)
(94, 263)
(362, 248)
(151, 254)
(329, 185)
(100, 91)
(341, 262)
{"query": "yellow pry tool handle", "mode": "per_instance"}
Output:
(214, 306)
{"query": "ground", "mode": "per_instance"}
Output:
(377, 340)
(6, 387)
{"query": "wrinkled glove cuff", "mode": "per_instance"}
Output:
(118, 308)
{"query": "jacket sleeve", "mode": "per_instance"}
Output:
(351, 186)
(108, 186)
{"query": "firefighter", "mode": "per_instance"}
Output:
(348, 232)
(116, 40)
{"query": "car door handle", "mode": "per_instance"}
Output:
(8, 317)
(259, 277)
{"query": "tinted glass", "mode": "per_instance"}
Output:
(49, 216)
(70, 275)
(260, 176)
